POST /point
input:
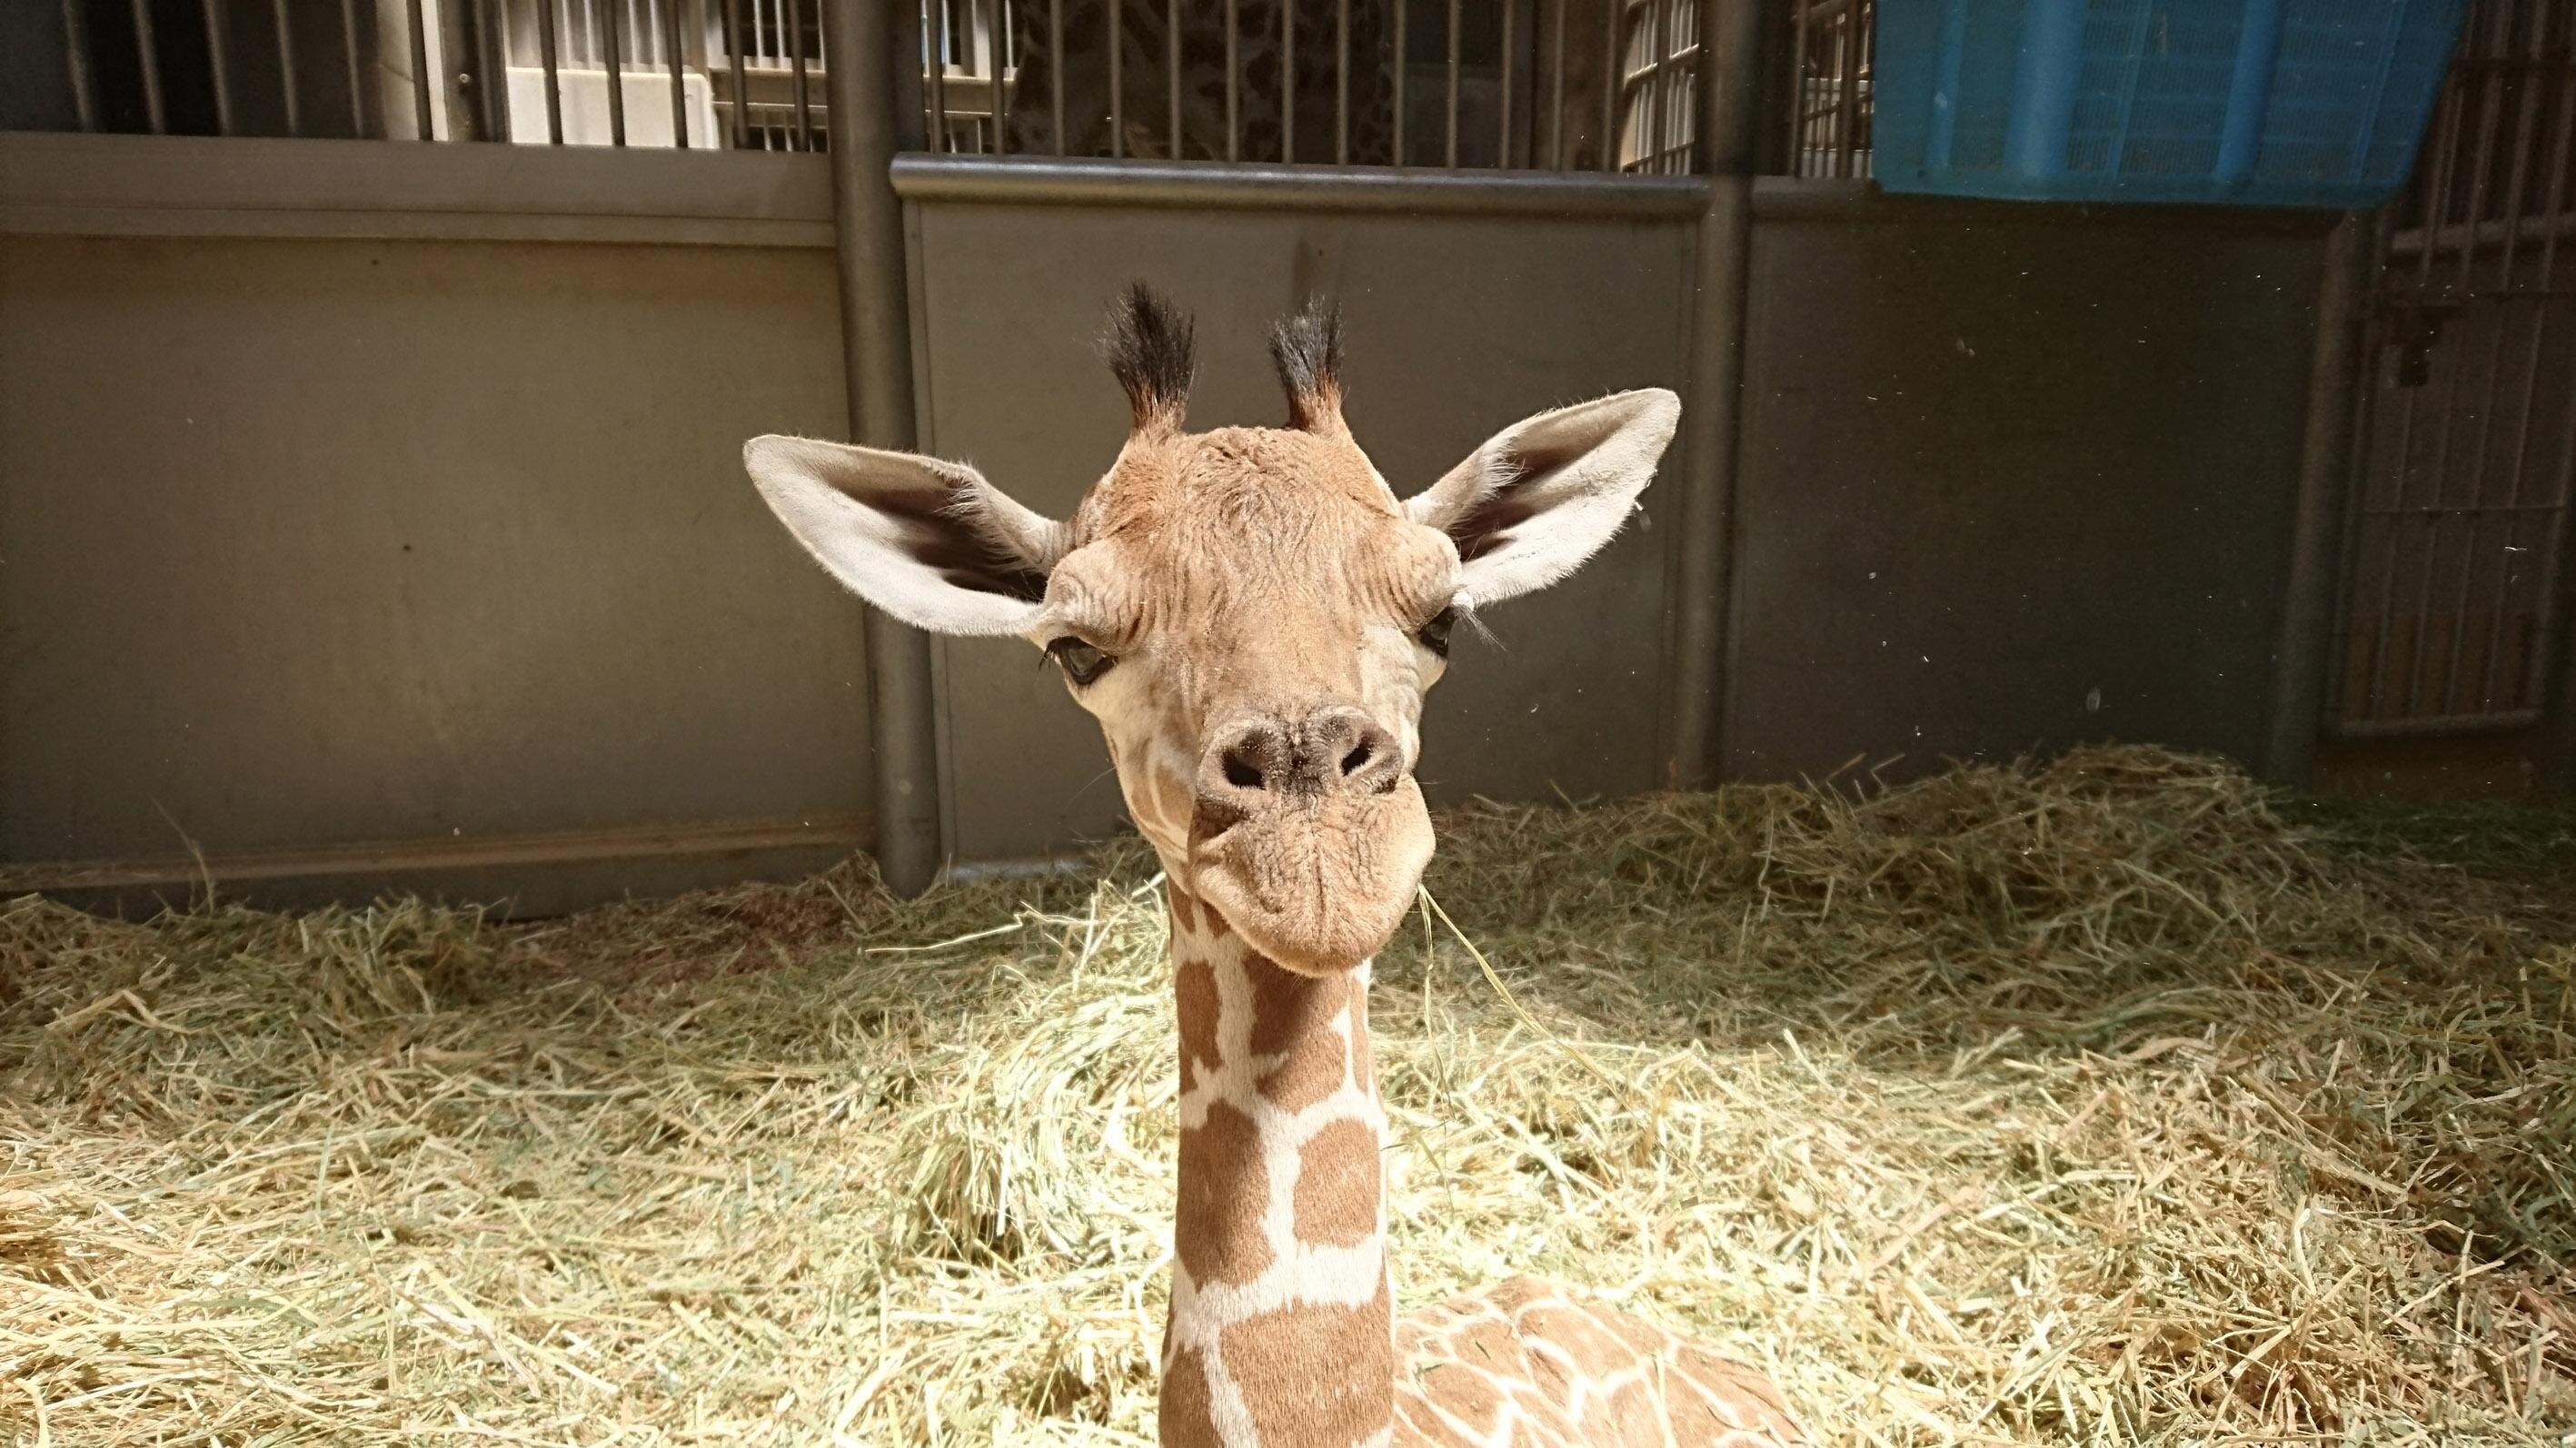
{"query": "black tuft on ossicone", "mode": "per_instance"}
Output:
(1149, 348)
(1307, 347)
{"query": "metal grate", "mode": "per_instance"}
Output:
(1825, 88)
(2454, 612)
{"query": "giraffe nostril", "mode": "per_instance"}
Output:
(1358, 758)
(1241, 772)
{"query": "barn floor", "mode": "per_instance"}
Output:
(2106, 1102)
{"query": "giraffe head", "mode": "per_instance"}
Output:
(1253, 614)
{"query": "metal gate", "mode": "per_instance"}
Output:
(2454, 607)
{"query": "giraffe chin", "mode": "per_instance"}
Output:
(1318, 887)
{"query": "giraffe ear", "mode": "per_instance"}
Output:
(1545, 493)
(930, 542)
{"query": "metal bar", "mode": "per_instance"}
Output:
(1233, 85)
(1398, 75)
(219, 64)
(2324, 491)
(1172, 72)
(1450, 153)
(420, 76)
(357, 84)
(1614, 15)
(1319, 189)
(1005, 73)
(2373, 345)
(876, 339)
(286, 87)
(2433, 726)
(679, 75)
(1342, 83)
(1117, 81)
(1725, 123)
(1055, 67)
(1556, 92)
(1503, 71)
(803, 139)
(1287, 80)
(76, 55)
(612, 51)
(1846, 91)
(144, 47)
(2554, 205)
(1798, 89)
(935, 67)
(741, 126)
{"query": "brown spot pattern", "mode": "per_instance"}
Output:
(1337, 1179)
(1292, 1016)
(1182, 1416)
(1194, 985)
(1326, 1373)
(1217, 1228)
(1185, 911)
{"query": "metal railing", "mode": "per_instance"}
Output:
(1603, 86)
(2454, 607)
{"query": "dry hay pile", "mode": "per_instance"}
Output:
(2087, 1103)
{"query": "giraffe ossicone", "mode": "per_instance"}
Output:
(1254, 616)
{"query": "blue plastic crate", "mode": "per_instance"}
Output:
(2234, 102)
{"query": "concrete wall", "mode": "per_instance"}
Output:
(2013, 480)
(398, 558)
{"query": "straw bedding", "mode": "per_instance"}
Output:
(2104, 1101)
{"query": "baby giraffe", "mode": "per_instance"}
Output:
(1254, 616)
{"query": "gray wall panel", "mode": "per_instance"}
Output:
(311, 542)
(1457, 326)
(1992, 468)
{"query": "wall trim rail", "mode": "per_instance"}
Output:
(1072, 181)
(528, 870)
(237, 186)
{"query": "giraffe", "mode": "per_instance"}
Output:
(1254, 617)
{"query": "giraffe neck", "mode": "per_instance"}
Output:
(1280, 1333)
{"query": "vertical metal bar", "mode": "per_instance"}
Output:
(1172, 72)
(794, 35)
(1117, 79)
(1287, 80)
(733, 64)
(1614, 78)
(1556, 91)
(286, 79)
(76, 55)
(1724, 123)
(219, 64)
(1398, 77)
(149, 52)
(612, 50)
(1798, 87)
(1006, 58)
(679, 75)
(1342, 83)
(2559, 542)
(357, 83)
(2325, 477)
(935, 67)
(1503, 70)
(1449, 153)
(1055, 68)
(1657, 122)
(1864, 62)
(876, 341)
(421, 79)
(1846, 89)
(1233, 84)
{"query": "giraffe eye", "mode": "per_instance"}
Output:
(1435, 634)
(1080, 661)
